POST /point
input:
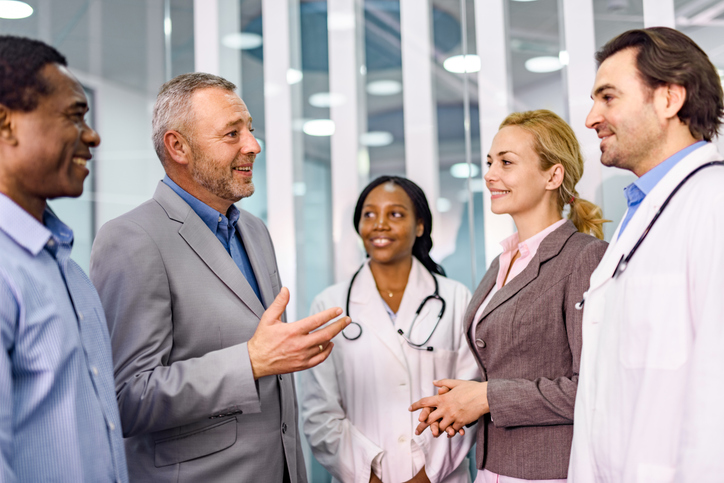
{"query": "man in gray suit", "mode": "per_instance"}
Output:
(201, 368)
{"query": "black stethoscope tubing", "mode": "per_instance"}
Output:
(625, 259)
(420, 346)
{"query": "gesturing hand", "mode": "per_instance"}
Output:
(279, 348)
(462, 404)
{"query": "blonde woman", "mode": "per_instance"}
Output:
(522, 324)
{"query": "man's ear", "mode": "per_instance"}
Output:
(177, 147)
(7, 128)
(674, 98)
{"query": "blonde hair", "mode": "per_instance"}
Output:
(555, 143)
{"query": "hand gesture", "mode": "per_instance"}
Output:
(458, 403)
(280, 348)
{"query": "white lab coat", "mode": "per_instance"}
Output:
(354, 406)
(650, 401)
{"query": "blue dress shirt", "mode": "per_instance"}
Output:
(58, 412)
(224, 228)
(637, 191)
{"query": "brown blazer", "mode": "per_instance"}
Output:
(528, 346)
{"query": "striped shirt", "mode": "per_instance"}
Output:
(58, 412)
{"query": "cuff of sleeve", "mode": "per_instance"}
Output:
(503, 410)
(422, 454)
(236, 390)
(369, 460)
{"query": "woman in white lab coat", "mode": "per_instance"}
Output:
(354, 406)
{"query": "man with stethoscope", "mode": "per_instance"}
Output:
(406, 331)
(651, 389)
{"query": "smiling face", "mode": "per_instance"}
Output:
(223, 148)
(46, 155)
(388, 225)
(517, 184)
(624, 115)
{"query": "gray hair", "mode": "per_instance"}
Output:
(173, 105)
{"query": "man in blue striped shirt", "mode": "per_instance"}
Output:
(58, 412)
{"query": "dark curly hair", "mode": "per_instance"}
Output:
(21, 60)
(423, 243)
(666, 56)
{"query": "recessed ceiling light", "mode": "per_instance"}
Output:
(14, 10)
(443, 205)
(460, 64)
(376, 138)
(319, 127)
(384, 87)
(294, 76)
(460, 170)
(542, 64)
(326, 99)
(242, 40)
(524, 0)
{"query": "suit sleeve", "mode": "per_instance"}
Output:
(128, 270)
(699, 447)
(338, 446)
(543, 401)
(442, 455)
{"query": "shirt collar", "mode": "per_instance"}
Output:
(28, 232)
(208, 215)
(529, 246)
(649, 180)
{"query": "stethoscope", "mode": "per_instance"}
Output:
(625, 259)
(354, 330)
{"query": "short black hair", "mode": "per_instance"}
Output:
(667, 56)
(21, 60)
(423, 244)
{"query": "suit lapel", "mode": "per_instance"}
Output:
(549, 248)
(257, 259)
(200, 239)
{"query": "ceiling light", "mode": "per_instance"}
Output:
(326, 99)
(563, 57)
(13, 10)
(524, 0)
(242, 40)
(384, 87)
(460, 170)
(294, 76)
(542, 64)
(443, 205)
(460, 64)
(319, 127)
(376, 138)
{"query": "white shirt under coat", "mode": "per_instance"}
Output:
(354, 406)
(650, 400)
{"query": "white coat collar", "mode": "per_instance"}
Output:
(645, 213)
(367, 309)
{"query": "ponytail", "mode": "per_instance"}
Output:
(587, 217)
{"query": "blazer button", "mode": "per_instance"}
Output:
(480, 343)
(284, 428)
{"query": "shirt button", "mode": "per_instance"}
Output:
(401, 439)
(51, 243)
(95, 370)
(111, 426)
(219, 218)
(284, 428)
(80, 316)
(480, 343)
(280, 377)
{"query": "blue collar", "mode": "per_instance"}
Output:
(27, 232)
(649, 180)
(208, 215)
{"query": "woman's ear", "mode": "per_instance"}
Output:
(419, 229)
(555, 177)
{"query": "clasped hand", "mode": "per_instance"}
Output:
(457, 404)
(279, 348)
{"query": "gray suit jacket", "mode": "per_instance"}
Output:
(180, 313)
(528, 346)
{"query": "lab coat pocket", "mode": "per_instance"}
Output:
(445, 364)
(655, 331)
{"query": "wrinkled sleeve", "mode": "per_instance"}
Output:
(9, 314)
(543, 401)
(700, 444)
(338, 446)
(153, 394)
